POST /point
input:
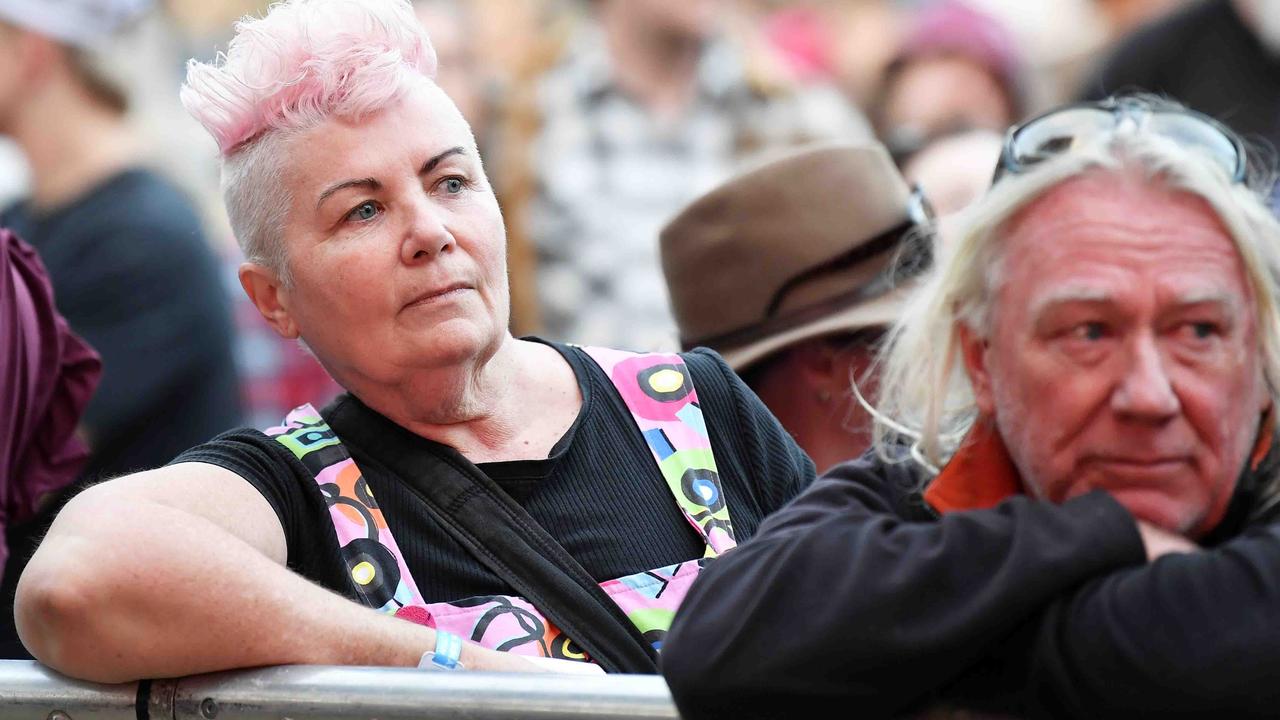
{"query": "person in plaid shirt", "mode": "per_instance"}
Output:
(650, 104)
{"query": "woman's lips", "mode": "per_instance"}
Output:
(433, 296)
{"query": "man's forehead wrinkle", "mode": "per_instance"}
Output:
(1083, 200)
(1057, 236)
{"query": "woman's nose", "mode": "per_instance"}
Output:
(426, 235)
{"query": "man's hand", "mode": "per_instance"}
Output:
(1159, 541)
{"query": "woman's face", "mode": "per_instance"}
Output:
(395, 243)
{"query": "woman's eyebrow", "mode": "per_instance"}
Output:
(372, 184)
(431, 164)
(369, 183)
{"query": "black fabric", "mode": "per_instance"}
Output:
(497, 531)
(133, 275)
(1205, 57)
(1027, 609)
(599, 494)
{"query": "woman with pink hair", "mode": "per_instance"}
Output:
(474, 500)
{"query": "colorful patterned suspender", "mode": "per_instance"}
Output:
(659, 393)
(664, 404)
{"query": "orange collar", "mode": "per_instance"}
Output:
(981, 474)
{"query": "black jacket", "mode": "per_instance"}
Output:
(858, 594)
(1205, 56)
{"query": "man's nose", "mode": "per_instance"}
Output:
(426, 235)
(1145, 391)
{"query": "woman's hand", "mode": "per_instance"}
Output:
(482, 659)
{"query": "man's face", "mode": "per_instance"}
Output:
(1123, 353)
(941, 94)
(684, 18)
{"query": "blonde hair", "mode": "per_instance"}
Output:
(925, 397)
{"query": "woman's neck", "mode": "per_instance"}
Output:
(514, 405)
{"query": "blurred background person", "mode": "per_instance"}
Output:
(1221, 57)
(956, 169)
(453, 26)
(124, 247)
(47, 375)
(958, 69)
(793, 271)
(649, 103)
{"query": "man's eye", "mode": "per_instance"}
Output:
(1090, 331)
(1203, 330)
(363, 211)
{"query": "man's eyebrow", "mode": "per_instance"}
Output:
(369, 183)
(431, 164)
(1069, 295)
(1209, 297)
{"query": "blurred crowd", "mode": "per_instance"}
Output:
(597, 120)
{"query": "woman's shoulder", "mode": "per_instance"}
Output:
(249, 452)
(709, 366)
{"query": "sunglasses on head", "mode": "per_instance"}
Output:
(1060, 131)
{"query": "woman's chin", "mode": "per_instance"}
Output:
(458, 341)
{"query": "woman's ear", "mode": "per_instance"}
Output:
(270, 296)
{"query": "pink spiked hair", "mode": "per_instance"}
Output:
(307, 60)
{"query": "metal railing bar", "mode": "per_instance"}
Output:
(28, 690)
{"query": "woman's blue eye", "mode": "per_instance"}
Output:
(453, 185)
(363, 211)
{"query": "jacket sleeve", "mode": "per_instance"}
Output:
(1195, 635)
(838, 599)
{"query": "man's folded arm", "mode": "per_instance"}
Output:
(1189, 634)
(839, 599)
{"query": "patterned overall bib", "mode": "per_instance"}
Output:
(658, 391)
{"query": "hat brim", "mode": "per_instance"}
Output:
(880, 312)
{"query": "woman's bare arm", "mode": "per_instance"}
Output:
(181, 570)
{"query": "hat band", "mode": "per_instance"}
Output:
(916, 256)
(773, 326)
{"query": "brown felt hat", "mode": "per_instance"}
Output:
(813, 244)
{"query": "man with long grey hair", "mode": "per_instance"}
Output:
(1069, 511)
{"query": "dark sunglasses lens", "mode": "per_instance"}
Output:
(1058, 133)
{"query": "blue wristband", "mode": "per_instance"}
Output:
(445, 656)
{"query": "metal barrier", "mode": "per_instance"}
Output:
(29, 691)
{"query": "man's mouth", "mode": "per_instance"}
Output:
(1138, 467)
